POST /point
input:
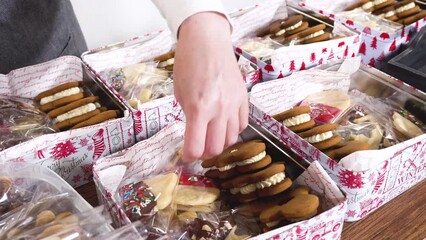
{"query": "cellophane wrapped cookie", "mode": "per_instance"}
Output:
(369, 20)
(141, 83)
(150, 199)
(21, 121)
(68, 225)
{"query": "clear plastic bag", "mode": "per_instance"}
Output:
(260, 48)
(141, 83)
(150, 200)
(20, 121)
(67, 225)
(220, 225)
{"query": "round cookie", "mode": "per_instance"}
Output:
(98, 118)
(346, 149)
(412, 19)
(406, 8)
(296, 119)
(302, 27)
(378, 4)
(57, 89)
(75, 120)
(163, 187)
(243, 157)
(61, 110)
(322, 136)
(246, 179)
(254, 208)
(357, 5)
(314, 34)
(164, 57)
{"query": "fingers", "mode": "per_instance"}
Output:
(232, 131)
(243, 116)
(195, 136)
(215, 138)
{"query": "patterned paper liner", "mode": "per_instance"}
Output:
(399, 169)
(70, 154)
(151, 155)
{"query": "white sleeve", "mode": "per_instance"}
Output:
(176, 11)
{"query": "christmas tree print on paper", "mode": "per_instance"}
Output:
(381, 57)
(350, 179)
(292, 66)
(363, 48)
(63, 150)
(392, 46)
(313, 57)
(374, 43)
(372, 62)
(303, 66)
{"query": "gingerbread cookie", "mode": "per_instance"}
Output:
(98, 118)
(294, 24)
(314, 34)
(406, 8)
(196, 190)
(387, 13)
(322, 137)
(344, 149)
(364, 4)
(239, 158)
(60, 96)
(300, 207)
(412, 19)
(255, 207)
(296, 119)
(166, 61)
(267, 182)
(138, 200)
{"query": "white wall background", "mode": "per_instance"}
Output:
(109, 21)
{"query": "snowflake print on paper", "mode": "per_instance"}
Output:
(83, 142)
(76, 178)
(350, 179)
(129, 141)
(90, 148)
(351, 213)
(87, 170)
(63, 150)
(371, 178)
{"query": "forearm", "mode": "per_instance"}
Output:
(177, 11)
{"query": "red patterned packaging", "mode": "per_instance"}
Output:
(370, 178)
(71, 153)
(285, 60)
(154, 154)
(377, 46)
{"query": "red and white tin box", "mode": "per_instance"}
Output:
(376, 46)
(72, 153)
(156, 114)
(393, 169)
(152, 156)
(286, 60)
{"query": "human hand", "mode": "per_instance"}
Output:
(209, 86)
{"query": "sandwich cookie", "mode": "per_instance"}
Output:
(239, 158)
(253, 209)
(344, 149)
(60, 96)
(296, 28)
(314, 34)
(360, 4)
(388, 13)
(267, 182)
(322, 137)
(300, 207)
(378, 4)
(98, 118)
(166, 61)
(412, 19)
(406, 8)
(297, 119)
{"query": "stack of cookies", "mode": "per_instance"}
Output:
(71, 107)
(294, 28)
(246, 171)
(166, 61)
(323, 137)
(404, 12)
